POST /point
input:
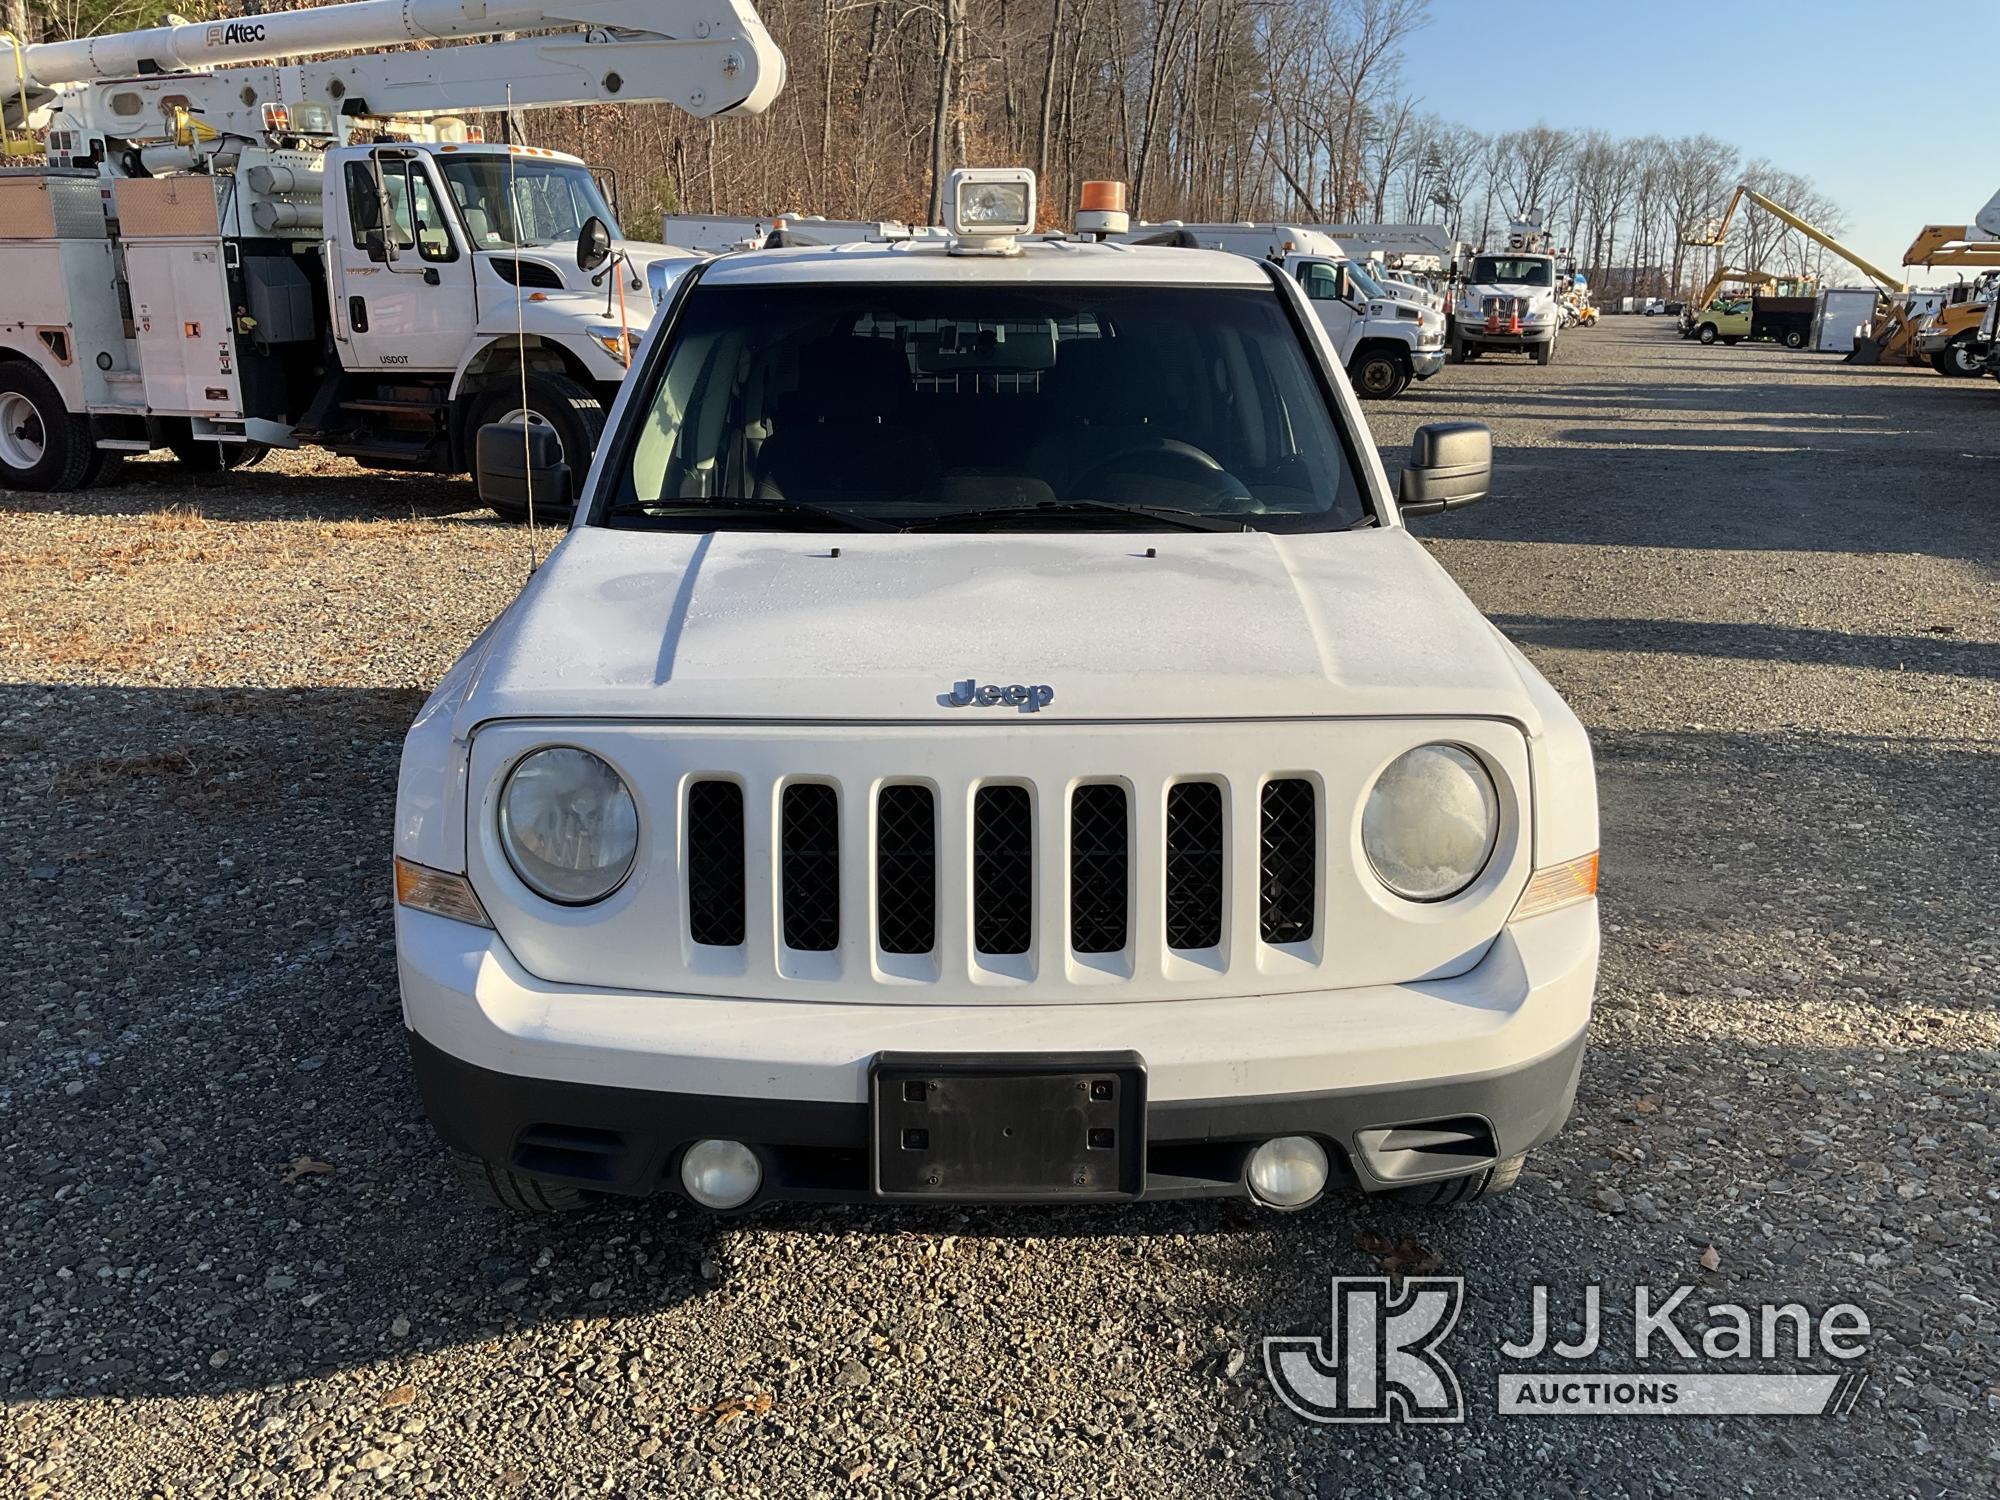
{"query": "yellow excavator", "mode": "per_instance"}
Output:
(1894, 288)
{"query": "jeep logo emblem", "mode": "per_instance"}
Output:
(971, 693)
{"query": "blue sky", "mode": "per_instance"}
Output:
(1885, 109)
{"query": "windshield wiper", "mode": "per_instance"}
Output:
(1184, 520)
(790, 510)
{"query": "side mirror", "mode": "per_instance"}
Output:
(380, 244)
(515, 462)
(593, 244)
(1451, 465)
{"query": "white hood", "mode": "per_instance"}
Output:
(772, 627)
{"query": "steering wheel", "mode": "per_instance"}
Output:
(1164, 471)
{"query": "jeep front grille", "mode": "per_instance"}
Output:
(1004, 864)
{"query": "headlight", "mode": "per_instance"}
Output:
(1431, 822)
(568, 825)
(615, 342)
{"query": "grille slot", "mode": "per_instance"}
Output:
(1194, 864)
(809, 851)
(1099, 869)
(715, 863)
(906, 869)
(1003, 869)
(1287, 852)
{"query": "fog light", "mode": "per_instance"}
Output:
(1288, 1171)
(723, 1174)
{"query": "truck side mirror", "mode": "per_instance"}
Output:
(593, 244)
(1451, 465)
(513, 462)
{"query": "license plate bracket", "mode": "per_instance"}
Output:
(1022, 1127)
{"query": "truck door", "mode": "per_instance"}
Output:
(1326, 287)
(400, 269)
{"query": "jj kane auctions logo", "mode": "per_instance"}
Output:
(1380, 1358)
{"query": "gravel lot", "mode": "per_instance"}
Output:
(231, 1260)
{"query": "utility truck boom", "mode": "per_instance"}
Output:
(324, 251)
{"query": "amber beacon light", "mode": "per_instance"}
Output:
(1100, 209)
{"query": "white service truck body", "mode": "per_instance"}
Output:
(324, 253)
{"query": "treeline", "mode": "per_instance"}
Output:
(1300, 110)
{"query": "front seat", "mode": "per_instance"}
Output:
(842, 432)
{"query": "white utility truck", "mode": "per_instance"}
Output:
(989, 734)
(1385, 341)
(224, 255)
(1510, 299)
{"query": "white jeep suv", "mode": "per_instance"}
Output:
(989, 735)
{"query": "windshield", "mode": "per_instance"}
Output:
(548, 203)
(908, 404)
(1523, 270)
(1369, 285)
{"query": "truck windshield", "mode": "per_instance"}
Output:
(1370, 287)
(547, 204)
(1518, 270)
(912, 404)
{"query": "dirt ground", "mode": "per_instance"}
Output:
(232, 1262)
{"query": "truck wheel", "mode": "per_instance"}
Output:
(1545, 353)
(1956, 358)
(1379, 374)
(492, 1185)
(1794, 339)
(42, 447)
(1457, 349)
(570, 410)
(1706, 333)
(1489, 1183)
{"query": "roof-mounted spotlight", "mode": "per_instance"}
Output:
(986, 208)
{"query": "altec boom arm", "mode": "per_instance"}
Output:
(708, 57)
(1818, 236)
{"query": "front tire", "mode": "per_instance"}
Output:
(556, 402)
(1545, 353)
(1706, 333)
(1452, 1191)
(1379, 375)
(1955, 358)
(492, 1185)
(43, 448)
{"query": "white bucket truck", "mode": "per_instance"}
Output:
(1385, 341)
(1508, 300)
(223, 256)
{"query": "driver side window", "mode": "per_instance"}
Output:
(417, 216)
(1322, 282)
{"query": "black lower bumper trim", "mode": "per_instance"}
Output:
(629, 1141)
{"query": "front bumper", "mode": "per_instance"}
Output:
(1488, 338)
(1425, 363)
(606, 1089)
